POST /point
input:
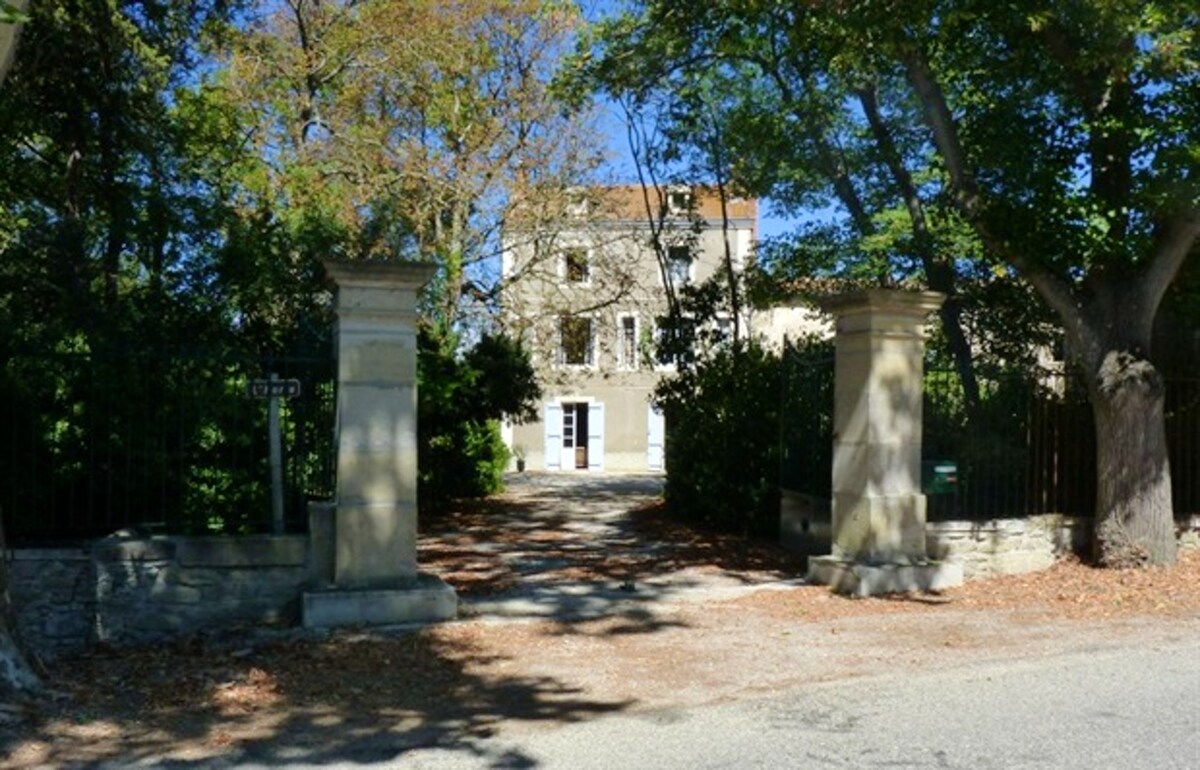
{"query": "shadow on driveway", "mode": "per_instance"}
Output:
(576, 547)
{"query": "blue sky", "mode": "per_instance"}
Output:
(613, 126)
(622, 169)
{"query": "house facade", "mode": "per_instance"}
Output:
(587, 294)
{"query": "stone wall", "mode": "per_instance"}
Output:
(1188, 529)
(983, 548)
(1013, 546)
(53, 591)
(1007, 546)
(137, 590)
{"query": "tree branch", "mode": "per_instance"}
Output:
(1175, 241)
(939, 274)
(895, 165)
(1058, 293)
(1105, 98)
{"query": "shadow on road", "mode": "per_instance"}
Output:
(347, 699)
(596, 556)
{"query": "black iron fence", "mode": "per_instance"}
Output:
(171, 443)
(1182, 410)
(1029, 447)
(806, 425)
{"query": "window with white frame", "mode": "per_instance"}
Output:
(679, 200)
(674, 340)
(577, 204)
(575, 265)
(679, 265)
(627, 342)
(576, 343)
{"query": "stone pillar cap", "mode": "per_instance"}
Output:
(375, 272)
(888, 300)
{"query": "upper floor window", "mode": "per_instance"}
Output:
(575, 265)
(679, 200)
(679, 265)
(577, 203)
(627, 342)
(674, 341)
(577, 346)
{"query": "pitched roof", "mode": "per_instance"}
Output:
(630, 201)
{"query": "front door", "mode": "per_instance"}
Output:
(575, 434)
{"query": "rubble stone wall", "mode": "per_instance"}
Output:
(125, 591)
(983, 548)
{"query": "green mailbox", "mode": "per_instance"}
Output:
(939, 477)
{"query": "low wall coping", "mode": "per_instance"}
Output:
(208, 551)
(133, 549)
(1039, 521)
(243, 551)
(80, 553)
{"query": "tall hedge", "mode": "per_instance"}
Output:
(723, 445)
(463, 395)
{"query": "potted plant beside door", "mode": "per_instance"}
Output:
(519, 453)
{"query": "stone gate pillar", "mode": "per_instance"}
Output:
(370, 546)
(878, 509)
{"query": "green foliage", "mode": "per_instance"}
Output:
(462, 398)
(501, 378)
(163, 440)
(942, 140)
(174, 173)
(806, 416)
(141, 284)
(416, 128)
(1055, 143)
(722, 450)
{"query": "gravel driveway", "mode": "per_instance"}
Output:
(575, 546)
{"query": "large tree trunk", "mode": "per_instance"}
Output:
(1135, 524)
(1107, 316)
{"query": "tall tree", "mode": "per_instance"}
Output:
(418, 127)
(15, 672)
(97, 218)
(1066, 135)
(759, 78)
(107, 227)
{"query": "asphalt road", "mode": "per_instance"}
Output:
(1126, 708)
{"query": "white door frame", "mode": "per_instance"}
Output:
(553, 433)
(656, 439)
(552, 430)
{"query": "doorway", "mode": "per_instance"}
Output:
(574, 437)
(575, 434)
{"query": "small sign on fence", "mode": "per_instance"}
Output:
(273, 388)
